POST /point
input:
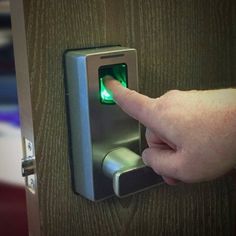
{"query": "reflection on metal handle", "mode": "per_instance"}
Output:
(128, 172)
(28, 166)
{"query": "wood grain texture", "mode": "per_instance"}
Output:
(185, 44)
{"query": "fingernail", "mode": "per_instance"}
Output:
(144, 158)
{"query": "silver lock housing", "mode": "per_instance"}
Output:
(95, 128)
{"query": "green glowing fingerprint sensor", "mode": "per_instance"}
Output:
(118, 72)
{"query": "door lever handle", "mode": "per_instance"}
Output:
(128, 172)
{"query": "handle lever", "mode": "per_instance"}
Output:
(128, 172)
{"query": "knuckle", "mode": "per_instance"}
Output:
(170, 97)
(161, 108)
(166, 102)
(171, 93)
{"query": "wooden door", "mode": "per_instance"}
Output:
(188, 44)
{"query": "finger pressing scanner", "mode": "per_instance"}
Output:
(104, 141)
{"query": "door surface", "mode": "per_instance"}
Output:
(188, 44)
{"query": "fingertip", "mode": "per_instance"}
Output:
(111, 83)
(170, 181)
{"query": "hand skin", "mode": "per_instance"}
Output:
(191, 135)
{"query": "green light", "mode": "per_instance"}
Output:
(118, 72)
(105, 95)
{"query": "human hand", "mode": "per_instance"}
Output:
(191, 135)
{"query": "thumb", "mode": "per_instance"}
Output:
(163, 162)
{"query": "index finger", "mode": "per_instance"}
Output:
(139, 106)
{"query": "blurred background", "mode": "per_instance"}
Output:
(13, 219)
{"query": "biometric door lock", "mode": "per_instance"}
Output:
(105, 142)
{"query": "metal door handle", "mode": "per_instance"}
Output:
(128, 172)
